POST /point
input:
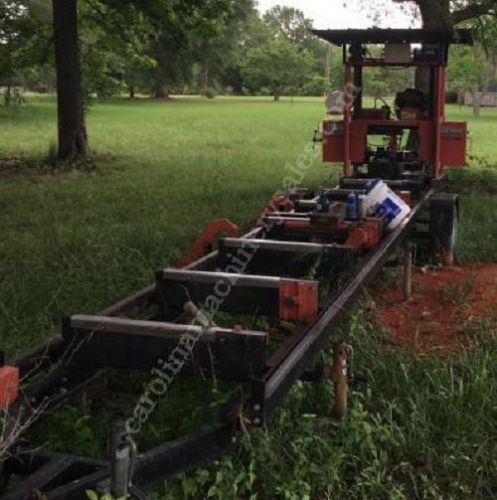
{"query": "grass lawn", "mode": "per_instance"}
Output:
(75, 242)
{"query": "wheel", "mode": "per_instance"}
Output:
(444, 227)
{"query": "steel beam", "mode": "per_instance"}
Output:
(42, 472)
(283, 247)
(135, 344)
(38, 480)
(286, 258)
(185, 453)
(228, 292)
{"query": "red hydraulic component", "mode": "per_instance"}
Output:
(298, 301)
(366, 235)
(363, 235)
(206, 238)
(9, 386)
(453, 144)
(278, 203)
(308, 225)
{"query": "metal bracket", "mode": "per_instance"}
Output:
(123, 456)
(256, 406)
(206, 238)
(298, 300)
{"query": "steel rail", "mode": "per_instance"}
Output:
(295, 363)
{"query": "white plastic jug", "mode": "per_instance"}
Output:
(380, 201)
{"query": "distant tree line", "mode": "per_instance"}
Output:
(160, 47)
(91, 49)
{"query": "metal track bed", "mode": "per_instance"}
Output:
(135, 332)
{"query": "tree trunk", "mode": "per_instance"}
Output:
(159, 89)
(476, 102)
(460, 97)
(276, 93)
(327, 71)
(161, 92)
(131, 90)
(206, 79)
(8, 95)
(435, 15)
(73, 140)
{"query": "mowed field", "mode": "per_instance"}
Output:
(76, 241)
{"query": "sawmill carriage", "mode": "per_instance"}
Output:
(300, 268)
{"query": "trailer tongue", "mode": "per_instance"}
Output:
(301, 268)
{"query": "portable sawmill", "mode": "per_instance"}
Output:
(300, 269)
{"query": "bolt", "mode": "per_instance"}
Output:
(257, 408)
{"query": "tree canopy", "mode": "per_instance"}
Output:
(447, 13)
(278, 65)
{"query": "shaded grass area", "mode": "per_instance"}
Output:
(420, 428)
(75, 242)
(478, 213)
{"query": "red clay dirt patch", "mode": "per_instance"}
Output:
(446, 304)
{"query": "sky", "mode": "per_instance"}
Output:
(341, 14)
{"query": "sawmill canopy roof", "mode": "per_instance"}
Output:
(342, 37)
